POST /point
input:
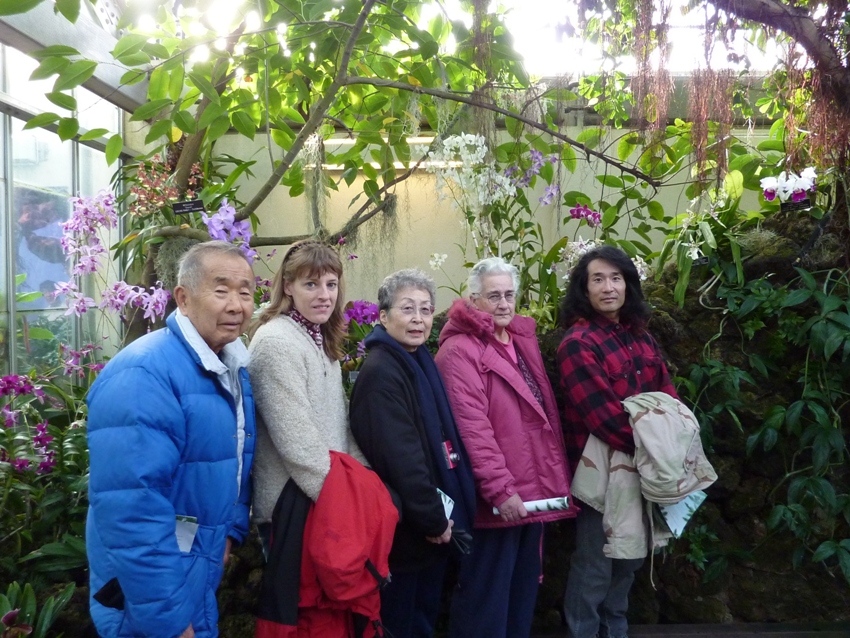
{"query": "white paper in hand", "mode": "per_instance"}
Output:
(448, 503)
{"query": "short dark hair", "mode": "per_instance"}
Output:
(575, 305)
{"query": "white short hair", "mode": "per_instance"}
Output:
(491, 266)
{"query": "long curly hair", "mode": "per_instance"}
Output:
(309, 258)
(576, 305)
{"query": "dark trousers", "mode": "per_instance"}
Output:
(597, 596)
(411, 601)
(498, 582)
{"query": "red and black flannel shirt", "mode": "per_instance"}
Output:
(603, 362)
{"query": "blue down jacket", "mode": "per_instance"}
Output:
(162, 440)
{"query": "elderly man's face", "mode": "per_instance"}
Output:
(221, 307)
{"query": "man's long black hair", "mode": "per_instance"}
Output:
(576, 305)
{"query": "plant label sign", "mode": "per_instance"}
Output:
(189, 206)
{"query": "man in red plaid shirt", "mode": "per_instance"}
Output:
(606, 356)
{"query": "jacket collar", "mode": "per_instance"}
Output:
(233, 356)
(465, 318)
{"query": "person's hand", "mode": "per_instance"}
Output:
(513, 510)
(227, 545)
(445, 537)
(189, 633)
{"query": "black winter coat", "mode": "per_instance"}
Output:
(387, 423)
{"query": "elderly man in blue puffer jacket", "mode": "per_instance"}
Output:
(171, 441)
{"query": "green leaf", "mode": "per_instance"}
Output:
(73, 76)
(129, 44)
(133, 76)
(46, 52)
(626, 146)
(217, 128)
(158, 130)
(808, 279)
(62, 100)
(568, 158)
(212, 112)
(147, 111)
(158, 84)
(826, 549)
(733, 184)
(610, 180)
(205, 87)
(50, 66)
(370, 187)
(185, 121)
(69, 8)
(844, 561)
(705, 229)
(796, 297)
(772, 145)
(68, 128)
(42, 119)
(93, 134)
(113, 149)
(243, 123)
(656, 210)
(629, 247)
(609, 217)
(40, 333)
(591, 137)
(175, 82)
(13, 7)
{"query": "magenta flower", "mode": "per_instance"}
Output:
(20, 464)
(341, 241)
(79, 304)
(799, 196)
(363, 312)
(17, 385)
(770, 195)
(47, 463)
(42, 439)
(155, 302)
(10, 417)
(351, 256)
(118, 296)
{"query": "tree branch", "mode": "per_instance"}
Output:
(317, 115)
(192, 144)
(455, 97)
(798, 23)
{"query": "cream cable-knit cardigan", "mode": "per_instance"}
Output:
(302, 413)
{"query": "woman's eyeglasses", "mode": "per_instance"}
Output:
(495, 297)
(425, 311)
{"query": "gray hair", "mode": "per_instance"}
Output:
(487, 267)
(407, 278)
(191, 269)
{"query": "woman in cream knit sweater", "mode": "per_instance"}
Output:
(297, 380)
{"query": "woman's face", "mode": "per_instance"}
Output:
(497, 297)
(409, 319)
(314, 296)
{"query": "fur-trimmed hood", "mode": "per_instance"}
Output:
(465, 318)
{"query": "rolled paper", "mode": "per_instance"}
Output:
(544, 505)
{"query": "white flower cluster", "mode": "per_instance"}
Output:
(462, 172)
(437, 260)
(574, 251)
(787, 186)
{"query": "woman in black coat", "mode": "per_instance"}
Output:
(402, 421)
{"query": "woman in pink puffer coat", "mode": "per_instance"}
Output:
(506, 414)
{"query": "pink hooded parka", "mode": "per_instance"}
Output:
(515, 445)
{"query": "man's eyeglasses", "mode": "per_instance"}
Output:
(495, 297)
(409, 311)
